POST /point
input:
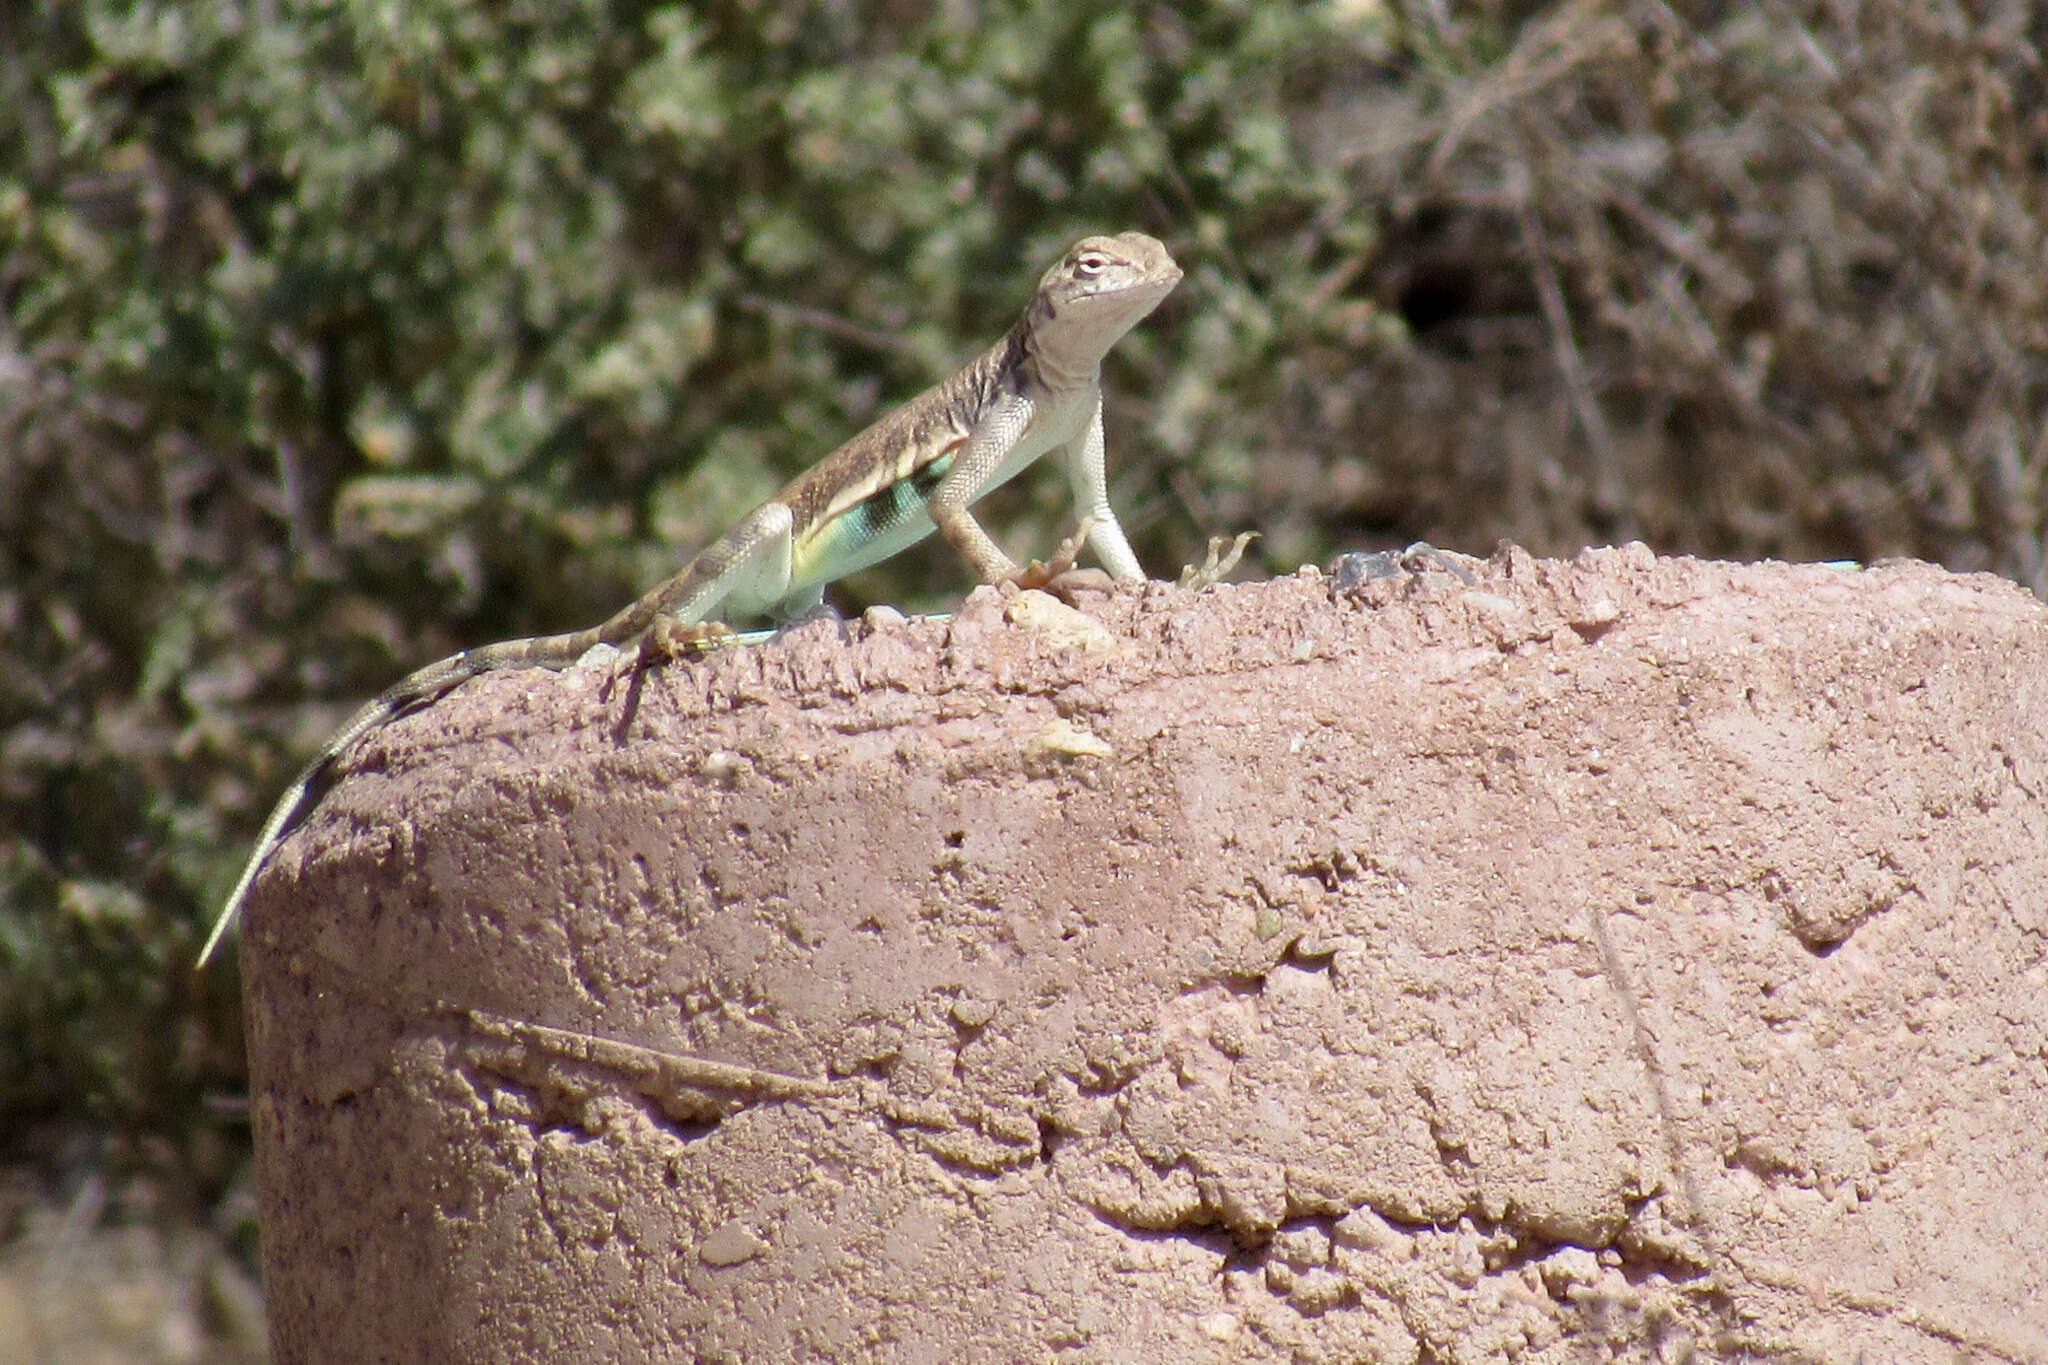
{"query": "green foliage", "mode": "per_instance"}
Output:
(339, 336)
(343, 335)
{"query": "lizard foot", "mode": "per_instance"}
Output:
(669, 638)
(1060, 566)
(1070, 585)
(1220, 562)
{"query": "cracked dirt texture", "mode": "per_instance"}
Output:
(1624, 958)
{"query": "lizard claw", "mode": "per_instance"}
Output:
(1045, 574)
(1219, 563)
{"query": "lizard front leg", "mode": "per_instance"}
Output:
(988, 447)
(1099, 528)
(1089, 480)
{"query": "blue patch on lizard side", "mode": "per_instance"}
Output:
(872, 528)
(890, 507)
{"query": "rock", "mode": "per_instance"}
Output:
(1624, 954)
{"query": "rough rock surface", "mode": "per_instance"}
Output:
(1623, 958)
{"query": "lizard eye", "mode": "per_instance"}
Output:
(1089, 264)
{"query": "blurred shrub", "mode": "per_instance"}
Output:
(339, 336)
(1737, 280)
(342, 335)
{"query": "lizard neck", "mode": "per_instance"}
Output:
(1061, 347)
(1018, 363)
(1054, 362)
(1059, 343)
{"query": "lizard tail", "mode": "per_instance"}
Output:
(413, 691)
(287, 810)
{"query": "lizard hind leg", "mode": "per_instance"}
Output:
(749, 572)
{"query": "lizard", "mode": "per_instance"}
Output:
(918, 469)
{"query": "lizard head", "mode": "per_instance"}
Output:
(1100, 289)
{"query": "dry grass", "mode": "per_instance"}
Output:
(1772, 281)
